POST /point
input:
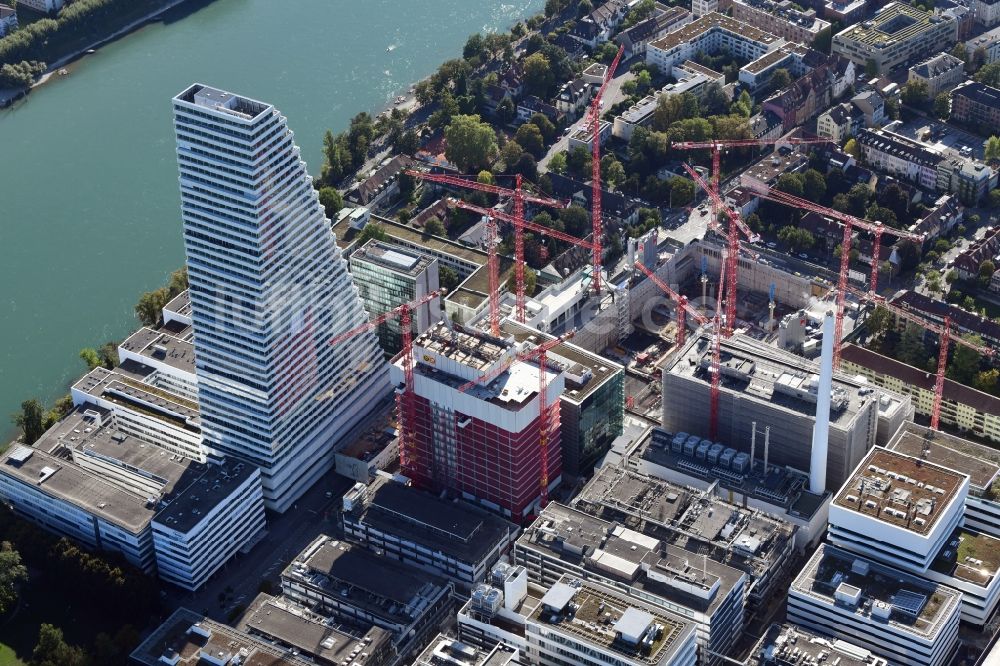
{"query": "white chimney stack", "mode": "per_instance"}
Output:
(821, 429)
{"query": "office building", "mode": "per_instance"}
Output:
(447, 651)
(940, 73)
(740, 537)
(388, 276)
(898, 34)
(88, 480)
(268, 289)
(783, 19)
(976, 105)
(482, 442)
(789, 645)
(689, 584)
(898, 509)
(351, 585)
(455, 540)
(575, 621)
(592, 404)
(47, 6)
(898, 616)
(772, 388)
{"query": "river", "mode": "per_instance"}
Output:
(89, 205)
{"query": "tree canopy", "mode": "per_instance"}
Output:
(471, 144)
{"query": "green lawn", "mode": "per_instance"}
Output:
(8, 658)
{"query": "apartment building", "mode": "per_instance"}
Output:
(977, 105)
(710, 33)
(781, 18)
(898, 34)
(940, 73)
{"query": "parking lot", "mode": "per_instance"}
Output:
(940, 132)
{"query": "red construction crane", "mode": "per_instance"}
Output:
(683, 307)
(404, 401)
(494, 265)
(736, 227)
(718, 145)
(594, 120)
(945, 337)
(539, 354)
(850, 222)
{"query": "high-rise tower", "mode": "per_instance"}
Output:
(268, 289)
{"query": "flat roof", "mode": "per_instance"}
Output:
(201, 489)
(185, 636)
(714, 21)
(445, 650)
(161, 347)
(587, 622)
(358, 577)
(894, 23)
(239, 107)
(915, 604)
(277, 619)
(980, 463)
(393, 257)
(579, 361)
(969, 556)
(456, 528)
(900, 490)
(180, 304)
(787, 644)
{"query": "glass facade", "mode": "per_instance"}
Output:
(268, 290)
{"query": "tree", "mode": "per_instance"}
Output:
(470, 143)
(408, 142)
(942, 106)
(797, 239)
(331, 200)
(951, 276)
(989, 75)
(986, 270)
(714, 99)
(529, 282)
(558, 162)
(612, 171)
(511, 153)
(538, 77)
(871, 68)
(993, 198)
(53, 650)
(447, 109)
(526, 166)
(964, 363)
(545, 125)
(486, 178)
(29, 420)
(372, 230)
(506, 111)
(743, 106)
(814, 186)
(858, 197)
(578, 160)
(12, 574)
(643, 81)
(530, 138)
(959, 51)
(448, 278)
(792, 183)
(987, 381)
(435, 227)
(879, 322)
(576, 220)
(915, 92)
(150, 306)
(992, 150)
(911, 349)
(781, 79)
(89, 356)
(852, 149)
(681, 191)
(473, 47)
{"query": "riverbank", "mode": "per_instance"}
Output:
(9, 96)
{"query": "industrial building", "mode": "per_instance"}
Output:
(688, 583)
(353, 586)
(482, 442)
(789, 645)
(905, 619)
(898, 34)
(95, 483)
(575, 621)
(740, 537)
(592, 404)
(457, 541)
(763, 387)
(387, 276)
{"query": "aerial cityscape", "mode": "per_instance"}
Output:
(537, 333)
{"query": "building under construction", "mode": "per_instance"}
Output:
(477, 426)
(769, 388)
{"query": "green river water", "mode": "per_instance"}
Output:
(89, 206)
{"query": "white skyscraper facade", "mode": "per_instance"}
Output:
(268, 290)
